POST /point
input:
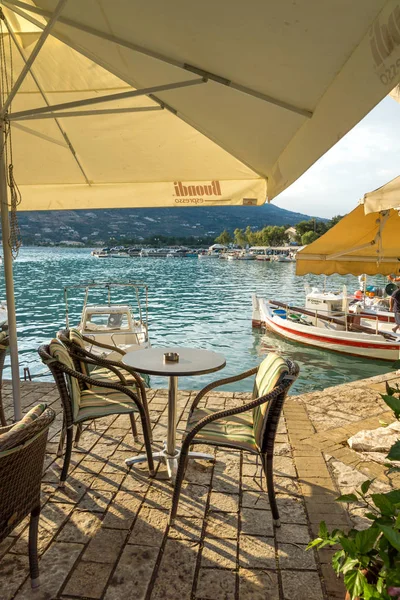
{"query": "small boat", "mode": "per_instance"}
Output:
(103, 253)
(241, 255)
(114, 323)
(177, 253)
(330, 329)
(154, 253)
(214, 251)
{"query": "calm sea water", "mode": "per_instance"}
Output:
(199, 303)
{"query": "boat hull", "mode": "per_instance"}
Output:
(345, 342)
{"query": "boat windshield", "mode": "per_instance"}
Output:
(106, 321)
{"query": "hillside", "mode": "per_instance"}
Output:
(101, 225)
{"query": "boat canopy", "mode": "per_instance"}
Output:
(358, 244)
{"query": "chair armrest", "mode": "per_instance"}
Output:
(218, 383)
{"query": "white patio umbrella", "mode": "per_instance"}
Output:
(126, 103)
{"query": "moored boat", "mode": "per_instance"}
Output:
(115, 323)
(337, 332)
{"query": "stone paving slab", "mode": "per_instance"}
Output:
(105, 535)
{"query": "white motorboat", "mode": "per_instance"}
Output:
(111, 322)
(3, 315)
(241, 255)
(214, 251)
(327, 327)
(374, 312)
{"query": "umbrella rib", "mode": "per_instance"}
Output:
(45, 34)
(42, 93)
(85, 113)
(123, 77)
(12, 4)
(108, 98)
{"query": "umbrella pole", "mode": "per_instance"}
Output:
(8, 275)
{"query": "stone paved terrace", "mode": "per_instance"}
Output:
(105, 535)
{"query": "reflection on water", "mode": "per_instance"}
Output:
(205, 304)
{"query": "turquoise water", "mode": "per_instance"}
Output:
(199, 303)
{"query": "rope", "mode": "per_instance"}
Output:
(6, 83)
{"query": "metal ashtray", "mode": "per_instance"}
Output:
(171, 357)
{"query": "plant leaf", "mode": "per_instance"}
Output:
(391, 535)
(393, 403)
(383, 503)
(366, 539)
(371, 516)
(354, 582)
(347, 498)
(348, 546)
(394, 452)
(323, 530)
(365, 486)
(337, 561)
(393, 496)
(349, 564)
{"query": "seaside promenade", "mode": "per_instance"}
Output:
(105, 535)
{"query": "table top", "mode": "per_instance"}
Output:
(192, 361)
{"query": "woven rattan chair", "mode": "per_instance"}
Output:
(21, 465)
(4, 342)
(251, 427)
(101, 368)
(85, 399)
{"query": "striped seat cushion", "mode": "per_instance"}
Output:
(100, 402)
(268, 375)
(104, 374)
(236, 431)
(75, 336)
(60, 353)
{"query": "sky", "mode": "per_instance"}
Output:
(364, 159)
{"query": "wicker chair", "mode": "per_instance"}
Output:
(85, 398)
(21, 465)
(4, 342)
(101, 368)
(251, 427)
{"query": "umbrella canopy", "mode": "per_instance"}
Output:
(358, 244)
(238, 95)
(385, 197)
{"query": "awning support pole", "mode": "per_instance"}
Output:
(8, 275)
(107, 98)
(84, 113)
(25, 70)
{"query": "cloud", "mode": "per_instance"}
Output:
(363, 160)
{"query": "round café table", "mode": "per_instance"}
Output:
(192, 361)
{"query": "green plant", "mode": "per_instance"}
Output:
(370, 559)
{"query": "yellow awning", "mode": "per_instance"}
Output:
(267, 88)
(358, 244)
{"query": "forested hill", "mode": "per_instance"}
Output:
(101, 225)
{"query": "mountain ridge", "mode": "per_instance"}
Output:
(99, 226)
